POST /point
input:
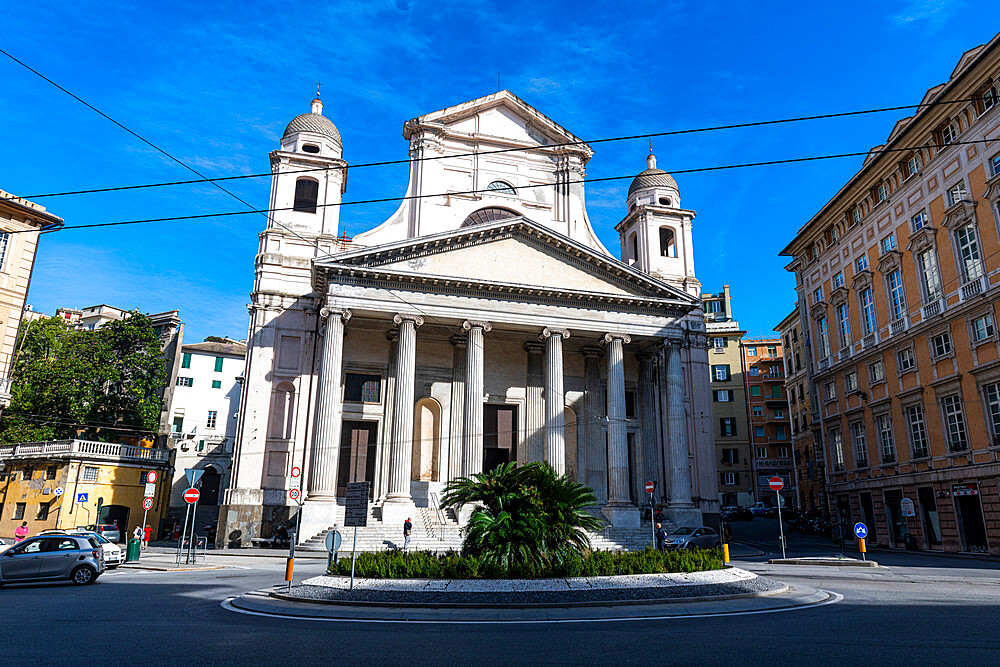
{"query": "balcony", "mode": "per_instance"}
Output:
(931, 308)
(821, 364)
(845, 352)
(898, 326)
(869, 341)
(973, 288)
(83, 449)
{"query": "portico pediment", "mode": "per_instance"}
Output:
(516, 258)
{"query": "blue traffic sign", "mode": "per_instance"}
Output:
(81, 497)
(861, 530)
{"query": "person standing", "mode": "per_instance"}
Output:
(137, 535)
(146, 535)
(21, 531)
(407, 529)
(661, 537)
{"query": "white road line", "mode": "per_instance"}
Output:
(834, 598)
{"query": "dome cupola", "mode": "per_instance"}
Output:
(313, 133)
(653, 187)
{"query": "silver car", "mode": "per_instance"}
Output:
(52, 557)
(688, 537)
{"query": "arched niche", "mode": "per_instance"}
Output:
(426, 441)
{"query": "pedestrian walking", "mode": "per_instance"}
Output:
(407, 529)
(661, 537)
(146, 535)
(137, 535)
(21, 531)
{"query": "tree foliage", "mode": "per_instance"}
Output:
(102, 384)
(526, 519)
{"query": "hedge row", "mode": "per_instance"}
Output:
(452, 565)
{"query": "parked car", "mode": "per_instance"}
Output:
(113, 554)
(737, 514)
(107, 530)
(759, 508)
(688, 537)
(52, 557)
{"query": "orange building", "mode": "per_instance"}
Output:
(897, 278)
(767, 404)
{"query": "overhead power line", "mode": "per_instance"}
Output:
(764, 163)
(520, 149)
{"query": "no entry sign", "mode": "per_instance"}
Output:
(191, 496)
(147, 503)
(650, 487)
(775, 483)
(151, 477)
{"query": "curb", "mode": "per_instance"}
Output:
(825, 562)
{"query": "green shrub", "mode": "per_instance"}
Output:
(451, 565)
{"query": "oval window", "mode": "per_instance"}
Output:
(664, 201)
(310, 148)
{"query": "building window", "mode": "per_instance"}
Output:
(779, 413)
(775, 391)
(779, 432)
(772, 350)
(886, 441)
(861, 264)
(838, 279)
(956, 193)
(868, 311)
(19, 511)
(213, 416)
(989, 99)
(905, 360)
(186, 360)
(995, 161)
(754, 371)
(502, 186)
(751, 351)
(727, 427)
(185, 382)
(856, 215)
(713, 306)
(918, 430)
(362, 388)
(720, 372)
(761, 451)
(888, 243)
(919, 221)
(216, 384)
(955, 422)
(982, 328)
(757, 410)
(755, 390)
(824, 338)
(51, 472)
(668, 246)
(720, 342)
(912, 166)
(178, 425)
(29, 472)
(948, 133)
(89, 474)
(968, 251)
(306, 195)
(728, 478)
(844, 325)
(634, 245)
(218, 364)
(830, 391)
(876, 371)
(838, 450)
(883, 193)
(723, 395)
(851, 381)
(730, 456)
(782, 453)
(860, 445)
(930, 280)
(992, 394)
(664, 201)
(897, 301)
(941, 344)
(817, 295)
(43, 511)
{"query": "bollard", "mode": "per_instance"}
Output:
(861, 547)
(289, 566)
(725, 554)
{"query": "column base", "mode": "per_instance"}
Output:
(684, 516)
(395, 512)
(317, 516)
(622, 515)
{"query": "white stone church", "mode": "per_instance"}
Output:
(483, 322)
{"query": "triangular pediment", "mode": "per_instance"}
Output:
(511, 257)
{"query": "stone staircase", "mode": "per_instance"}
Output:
(430, 534)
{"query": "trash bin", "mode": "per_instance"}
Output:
(132, 550)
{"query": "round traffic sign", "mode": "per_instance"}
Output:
(861, 530)
(296, 471)
(58, 491)
(147, 503)
(776, 483)
(333, 541)
(191, 496)
(650, 487)
(293, 494)
(151, 477)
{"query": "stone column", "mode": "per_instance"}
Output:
(647, 419)
(326, 432)
(534, 404)
(472, 424)
(401, 452)
(592, 458)
(555, 401)
(680, 467)
(456, 411)
(617, 435)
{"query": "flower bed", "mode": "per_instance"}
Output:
(426, 565)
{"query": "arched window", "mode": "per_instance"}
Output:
(502, 186)
(281, 419)
(306, 194)
(634, 246)
(490, 214)
(426, 441)
(664, 201)
(632, 207)
(668, 246)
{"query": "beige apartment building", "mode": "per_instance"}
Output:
(729, 406)
(898, 277)
(20, 223)
(769, 428)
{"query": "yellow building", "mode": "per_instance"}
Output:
(58, 484)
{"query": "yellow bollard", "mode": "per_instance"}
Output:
(861, 547)
(289, 566)
(725, 554)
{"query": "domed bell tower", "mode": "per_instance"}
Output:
(655, 234)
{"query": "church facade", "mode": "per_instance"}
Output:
(483, 322)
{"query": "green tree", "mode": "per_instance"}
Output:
(526, 519)
(103, 384)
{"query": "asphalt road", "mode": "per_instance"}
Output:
(921, 611)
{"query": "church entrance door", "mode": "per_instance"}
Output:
(500, 435)
(357, 454)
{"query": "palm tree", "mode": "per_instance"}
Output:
(526, 519)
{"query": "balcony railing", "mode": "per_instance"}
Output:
(957, 445)
(845, 352)
(932, 308)
(898, 326)
(973, 288)
(869, 341)
(822, 363)
(888, 457)
(87, 448)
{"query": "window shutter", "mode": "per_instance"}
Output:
(736, 478)
(727, 371)
(732, 428)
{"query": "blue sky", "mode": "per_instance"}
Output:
(215, 83)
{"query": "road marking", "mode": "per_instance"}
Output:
(833, 599)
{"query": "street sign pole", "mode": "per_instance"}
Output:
(354, 555)
(144, 512)
(194, 524)
(180, 538)
(650, 487)
(781, 529)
